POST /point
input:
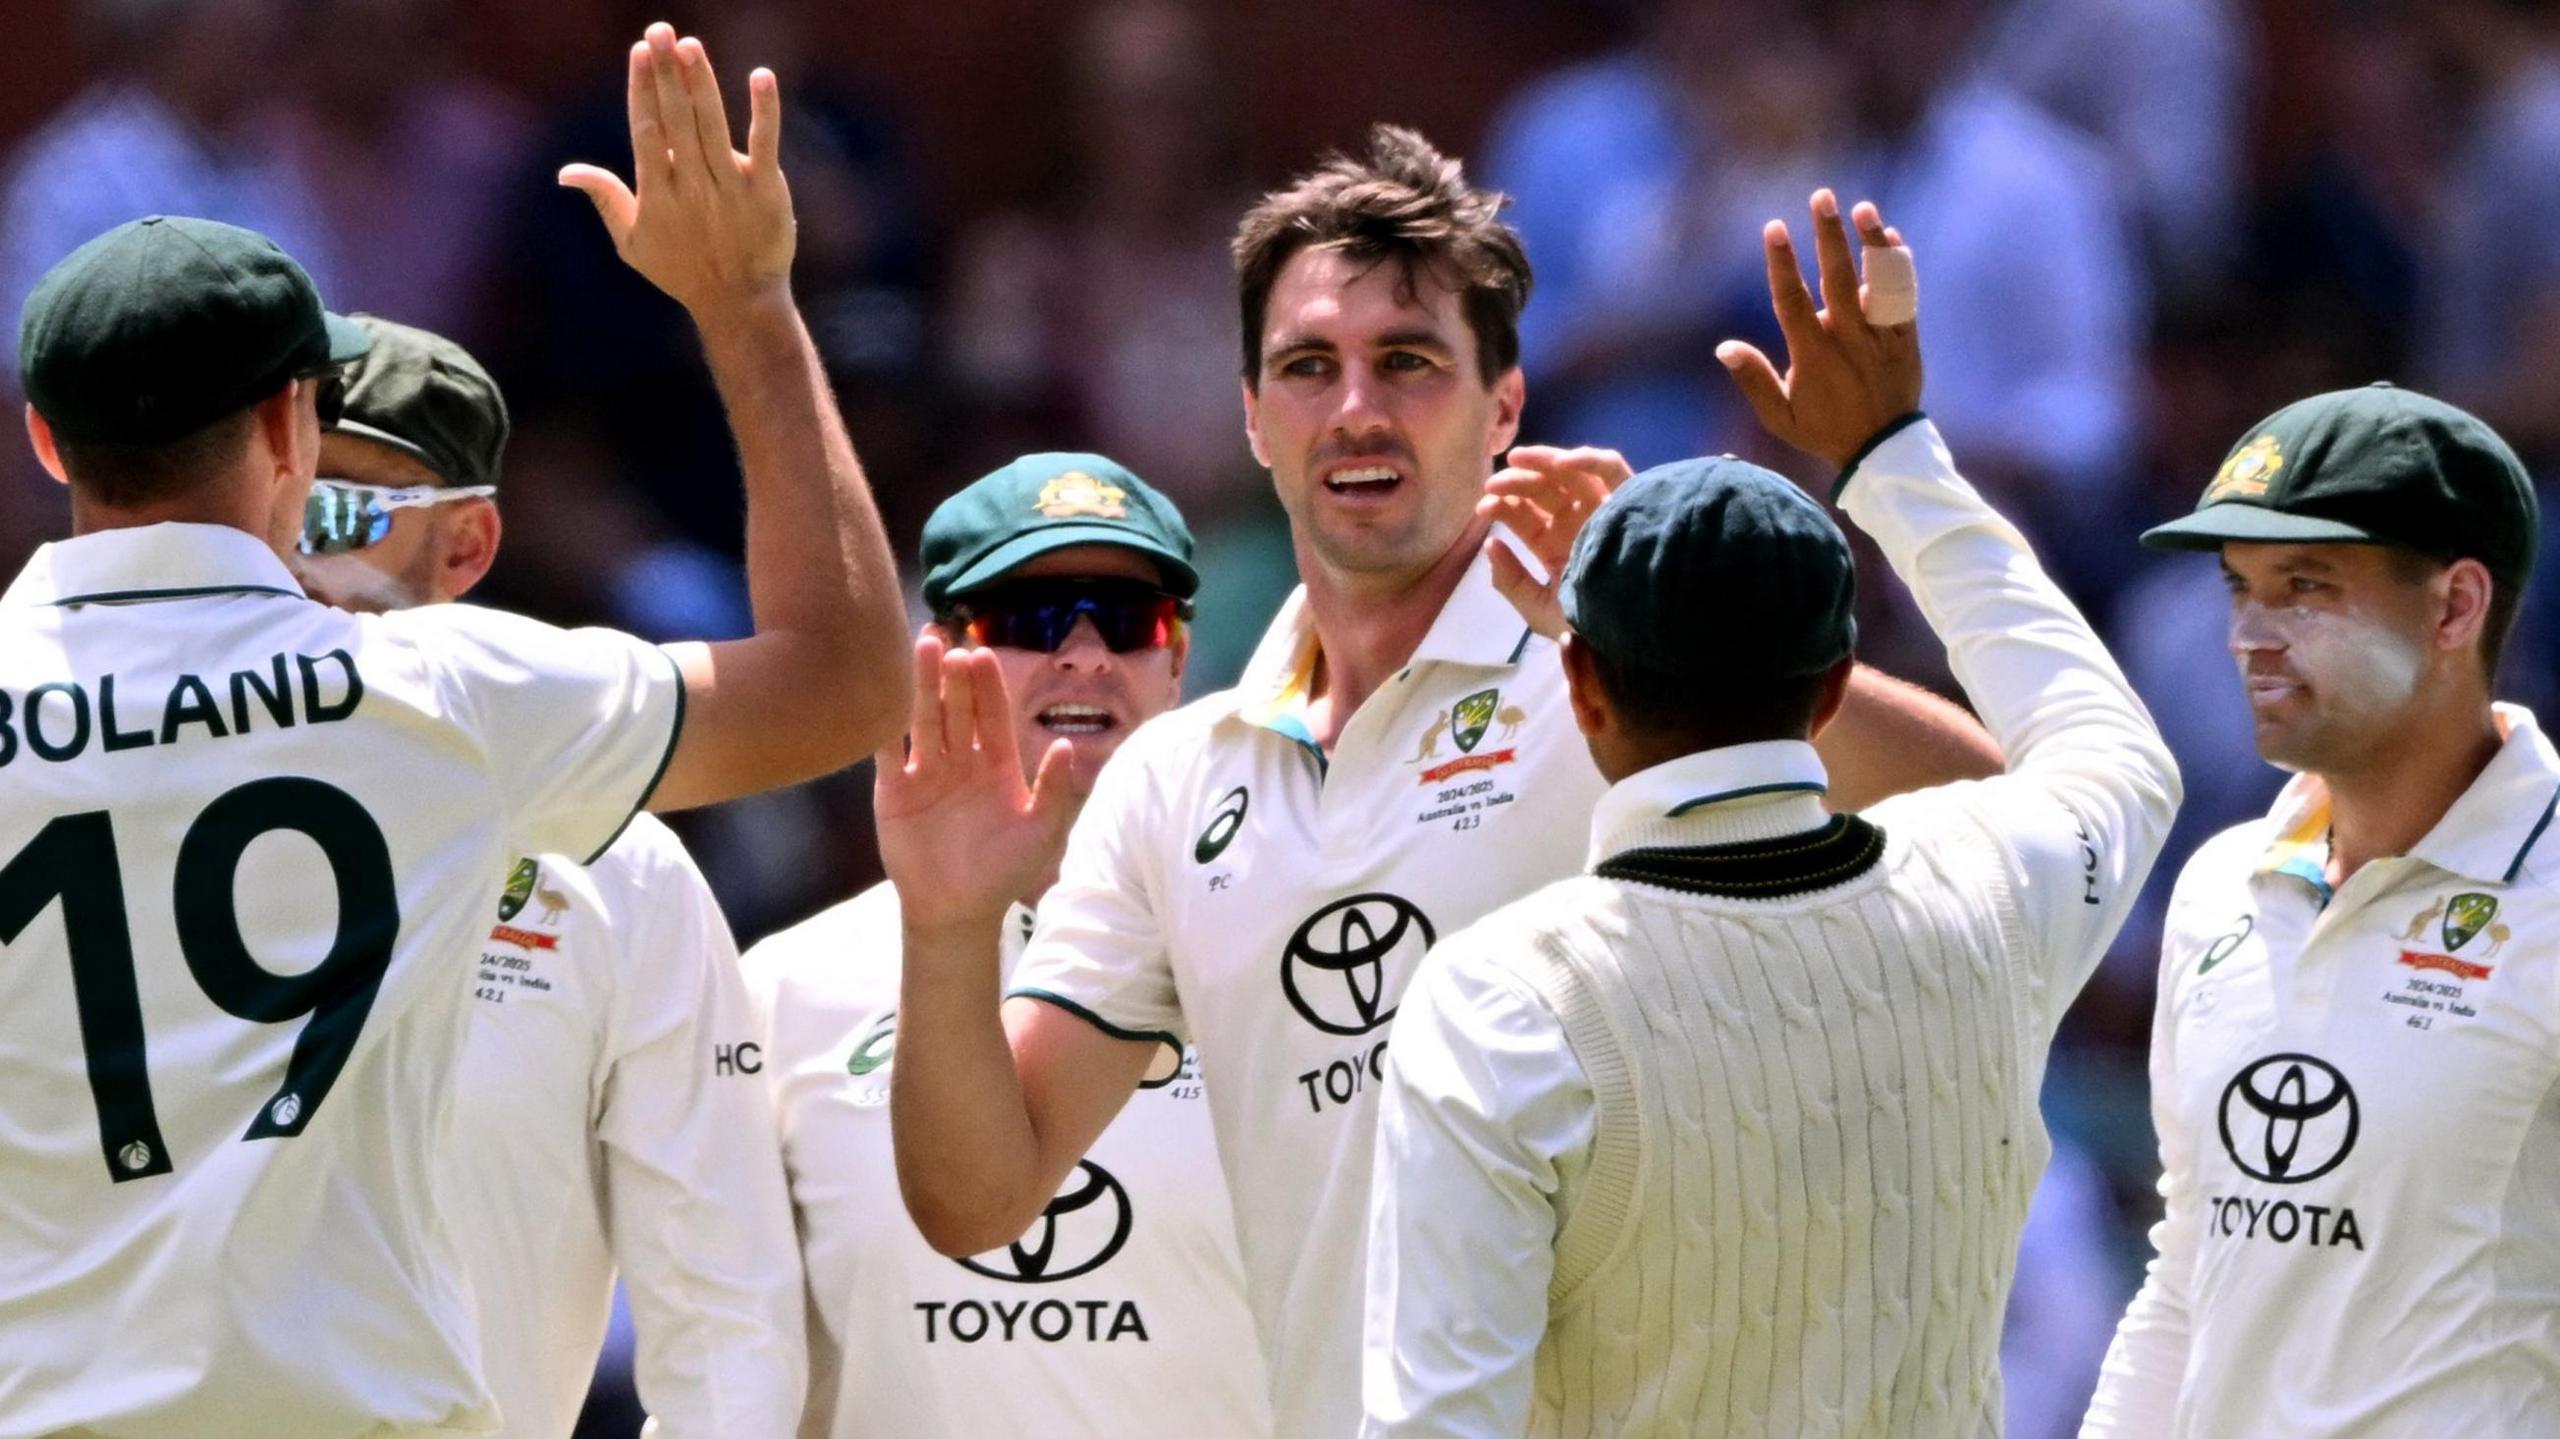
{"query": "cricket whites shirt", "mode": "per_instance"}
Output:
(611, 1114)
(2358, 1100)
(1229, 884)
(246, 850)
(1121, 1311)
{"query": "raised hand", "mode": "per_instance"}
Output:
(709, 226)
(1545, 496)
(961, 835)
(1847, 377)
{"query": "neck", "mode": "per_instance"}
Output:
(2384, 806)
(232, 506)
(1366, 629)
(231, 503)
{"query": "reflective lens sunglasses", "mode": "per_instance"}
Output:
(343, 516)
(1039, 614)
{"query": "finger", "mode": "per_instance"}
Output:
(639, 98)
(959, 708)
(1533, 485)
(1534, 457)
(1758, 380)
(1838, 262)
(1870, 223)
(1787, 294)
(924, 713)
(1519, 515)
(702, 95)
(675, 119)
(764, 122)
(991, 712)
(1604, 465)
(1511, 577)
(1057, 791)
(613, 200)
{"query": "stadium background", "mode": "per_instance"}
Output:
(2141, 224)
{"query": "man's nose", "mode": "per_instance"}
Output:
(1083, 648)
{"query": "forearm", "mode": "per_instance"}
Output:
(2050, 694)
(2146, 1365)
(1891, 737)
(969, 1163)
(818, 563)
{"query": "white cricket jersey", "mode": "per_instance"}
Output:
(1229, 885)
(611, 1115)
(2358, 1100)
(246, 845)
(1122, 1310)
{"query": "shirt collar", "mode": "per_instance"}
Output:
(2485, 836)
(1476, 626)
(150, 562)
(1731, 795)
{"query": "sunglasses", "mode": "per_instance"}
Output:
(343, 516)
(1039, 614)
(328, 394)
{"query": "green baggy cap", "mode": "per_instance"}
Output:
(1047, 502)
(1713, 566)
(2378, 465)
(163, 325)
(425, 396)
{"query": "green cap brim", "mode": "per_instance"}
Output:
(2209, 528)
(347, 339)
(1179, 577)
(390, 441)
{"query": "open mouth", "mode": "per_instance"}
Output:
(1360, 481)
(1074, 720)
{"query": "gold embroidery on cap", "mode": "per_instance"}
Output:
(2244, 476)
(1077, 493)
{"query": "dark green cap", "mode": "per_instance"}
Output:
(1047, 502)
(162, 326)
(423, 395)
(2378, 465)
(1713, 567)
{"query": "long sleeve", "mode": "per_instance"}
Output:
(1486, 1121)
(700, 1216)
(2091, 788)
(2146, 1366)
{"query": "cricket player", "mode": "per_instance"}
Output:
(1735, 1134)
(609, 1114)
(2355, 1064)
(1261, 870)
(1121, 1308)
(247, 841)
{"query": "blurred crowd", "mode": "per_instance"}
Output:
(2140, 224)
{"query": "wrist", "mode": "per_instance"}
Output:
(747, 311)
(1855, 458)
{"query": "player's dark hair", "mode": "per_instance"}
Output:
(1695, 712)
(127, 476)
(1403, 203)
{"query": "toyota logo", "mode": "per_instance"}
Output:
(1077, 1234)
(2289, 1118)
(1335, 968)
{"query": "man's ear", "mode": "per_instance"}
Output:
(277, 422)
(470, 546)
(1591, 712)
(40, 439)
(2467, 590)
(1510, 396)
(1835, 693)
